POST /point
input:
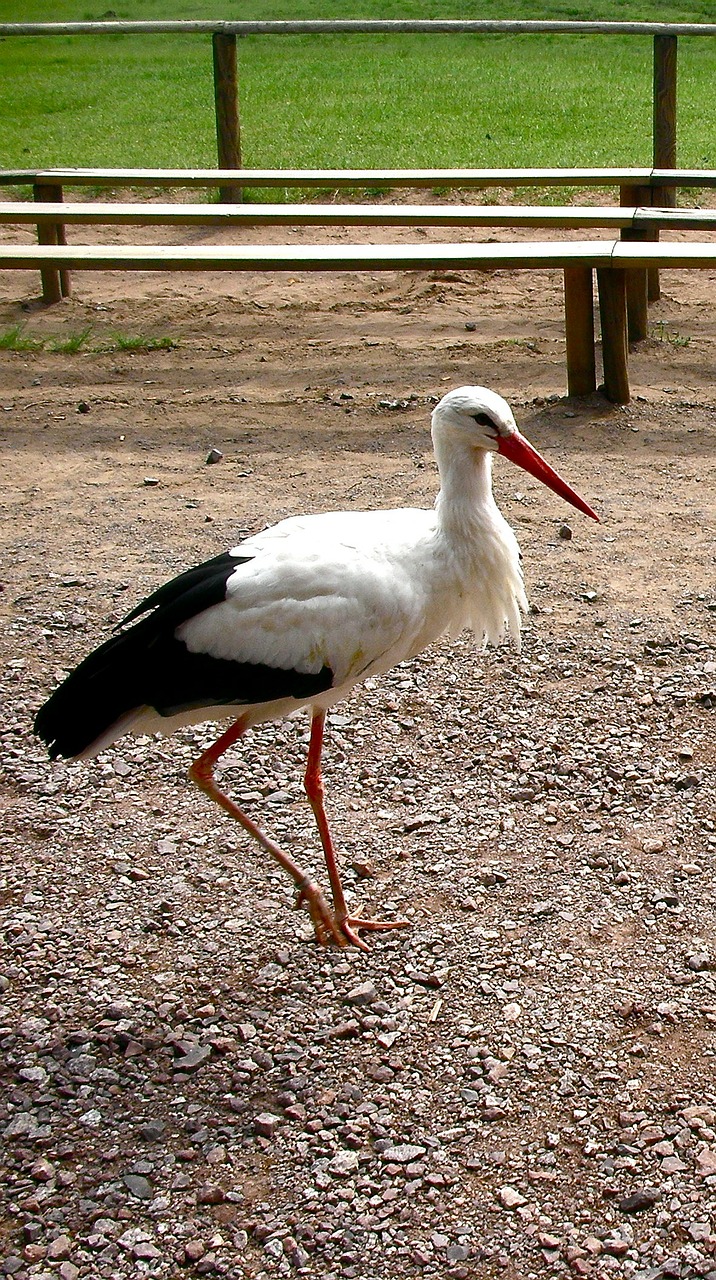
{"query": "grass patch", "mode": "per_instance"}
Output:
(661, 332)
(17, 339)
(136, 342)
(352, 101)
(71, 345)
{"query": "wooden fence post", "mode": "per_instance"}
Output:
(611, 282)
(226, 99)
(579, 330)
(636, 277)
(55, 284)
(664, 129)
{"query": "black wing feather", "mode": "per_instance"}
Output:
(145, 665)
(191, 591)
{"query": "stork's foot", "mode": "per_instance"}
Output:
(334, 929)
(349, 926)
(326, 927)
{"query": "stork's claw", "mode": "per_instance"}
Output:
(349, 925)
(337, 930)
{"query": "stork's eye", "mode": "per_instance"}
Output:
(483, 419)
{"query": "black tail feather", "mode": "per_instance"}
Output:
(145, 665)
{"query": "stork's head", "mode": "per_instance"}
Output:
(483, 420)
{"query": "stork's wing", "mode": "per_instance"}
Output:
(340, 591)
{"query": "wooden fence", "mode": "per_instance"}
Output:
(225, 35)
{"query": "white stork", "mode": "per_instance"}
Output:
(295, 616)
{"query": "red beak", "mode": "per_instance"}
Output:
(520, 451)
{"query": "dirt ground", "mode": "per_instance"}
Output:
(522, 1083)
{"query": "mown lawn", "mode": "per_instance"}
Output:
(350, 101)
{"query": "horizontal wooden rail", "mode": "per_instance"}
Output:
(361, 257)
(338, 179)
(355, 179)
(277, 257)
(359, 26)
(329, 215)
(52, 218)
(563, 217)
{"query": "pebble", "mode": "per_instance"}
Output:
(266, 1124)
(510, 1197)
(194, 1058)
(403, 1153)
(59, 1249)
(213, 456)
(138, 1186)
(194, 1250)
(706, 1162)
(363, 994)
(638, 1201)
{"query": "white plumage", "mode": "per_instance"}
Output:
(296, 615)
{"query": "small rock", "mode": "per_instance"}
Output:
(153, 1130)
(403, 1153)
(118, 1010)
(138, 1186)
(345, 1030)
(643, 1198)
(145, 1251)
(363, 870)
(510, 1197)
(12, 1265)
(193, 1059)
(364, 994)
(194, 1250)
(83, 407)
(266, 1124)
(91, 1119)
(547, 1241)
(210, 1193)
(457, 1252)
(344, 1163)
(59, 1249)
(68, 1271)
(151, 482)
(615, 1246)
(214, 455)
(706, 1162)
(565, 532)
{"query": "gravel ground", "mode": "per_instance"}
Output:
(522, 1083)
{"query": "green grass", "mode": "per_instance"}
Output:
(360, 101)
(70, 345)
(135, 342)
(16, 338)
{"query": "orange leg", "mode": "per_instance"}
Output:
(313, 782)
(327, 927)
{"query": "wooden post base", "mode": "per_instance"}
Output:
(579, 330)
(611, 282)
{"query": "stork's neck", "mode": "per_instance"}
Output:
(465, 498)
